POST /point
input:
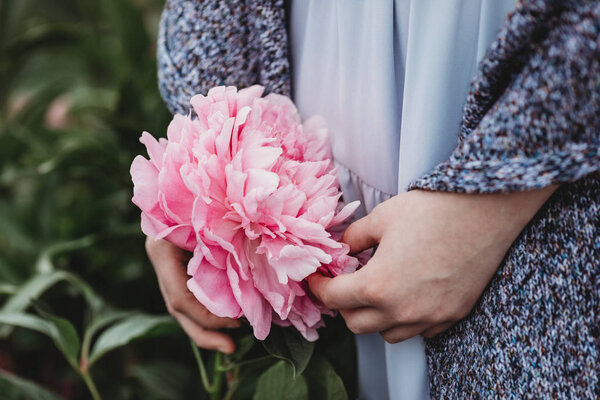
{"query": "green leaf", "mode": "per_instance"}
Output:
(105, 318)
(136, 327)
(324, 382)
(44, 263)
(67, 339)
(243, 346)
(338, 345)
(278, 383)
(289, 345)
(32, 289)
(61, 331)
(40, 283)
(98, 322)
(162, 380)
(6, 288)
(13, 387)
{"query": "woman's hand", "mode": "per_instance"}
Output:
(169, 263)
(437, 252)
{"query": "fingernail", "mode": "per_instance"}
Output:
(223, 350)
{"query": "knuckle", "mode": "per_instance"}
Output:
(177, 304)
(355, 327)
(407, 313)
(151, 246)
(326, 299)
(372, 291)
(391, 338)
(376, 217)
(170, 309)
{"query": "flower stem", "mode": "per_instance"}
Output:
(90, 385)
(217, 378)
(203, 376)
(230, 366)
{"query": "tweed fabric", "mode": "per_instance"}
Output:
(202, 44)
(532, 119)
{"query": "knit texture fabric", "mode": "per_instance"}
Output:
(532, 119)
(202, 44)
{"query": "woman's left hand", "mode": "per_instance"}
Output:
(436, 254)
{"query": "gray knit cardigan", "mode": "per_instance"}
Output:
(531, 119)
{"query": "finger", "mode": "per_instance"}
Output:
(160, 250)
(367, 320)
(403, 332)
(336, 293)
(186, 304)
(436, 330)
(361, 235)
(206, 339)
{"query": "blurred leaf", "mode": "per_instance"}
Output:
(32, 289)
(44, 263)
(338, 345)
(66, 339)
(38, 284)
(98, 322)
(13, 387)
(133, 328)
(61, 331)
(323, 382)
(278, 383)
(105, 318)
(289, 345)
(12, 230)
(128, 23)
(6, 288)
(243, 346)
(162, 380)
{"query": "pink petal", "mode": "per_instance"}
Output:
(254, 306)
(211, 287)
(155, 149)
(145, 184)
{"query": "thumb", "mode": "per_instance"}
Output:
(361, 235)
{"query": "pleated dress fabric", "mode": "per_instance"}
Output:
(391, 78)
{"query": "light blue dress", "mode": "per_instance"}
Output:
(390, 77)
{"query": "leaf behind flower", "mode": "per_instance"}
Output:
(289, 345)
(323, 382)
(278, 382)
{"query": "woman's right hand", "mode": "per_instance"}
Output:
(169, 263)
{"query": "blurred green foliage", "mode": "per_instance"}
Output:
(77, 85)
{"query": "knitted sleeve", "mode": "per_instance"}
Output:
(544, 128)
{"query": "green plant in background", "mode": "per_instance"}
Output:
(77, 85)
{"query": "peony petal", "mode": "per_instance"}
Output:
(263, 157)
(223, 141)
(155, 149)
(145, 184)
(254, 306)
(211, 287)
(247, 95)
(344, 213)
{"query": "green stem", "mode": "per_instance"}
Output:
(230, 366)
(231, 390)
(90, 385)
(203, 376)
(217, 378)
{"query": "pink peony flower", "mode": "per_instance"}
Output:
(251, 191)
